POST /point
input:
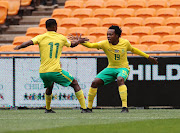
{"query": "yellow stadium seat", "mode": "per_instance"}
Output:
(103, 13)
(132, 39)
(3, 10)
(98, 31)
(18, 40)
(173, 21)
(62, 30)
(90, 22)
(150, 39)
(107, 22)
(174, 4)
(157, 4)
(125, 31)
(73, 4)
(177, 30)
(78, 30)
(154, 21)
(136, 4)
(141, 47)
(82, 13)
(42, 22)
(115, 4)
(141, 31)
(61, 13)
(171, 39)
(124, 13)
(26, 2)
(34, 31)
(162, 30)
(167, 12)
(94, 4)
(70, 22)
(132, 22)
(145, 12)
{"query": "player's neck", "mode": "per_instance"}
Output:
(115, 42)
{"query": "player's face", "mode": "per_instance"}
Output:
(111, 36)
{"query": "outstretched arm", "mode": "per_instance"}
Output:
(139, 52)
(24, 45)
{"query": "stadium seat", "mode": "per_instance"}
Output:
(42, 22)
(136, 4)
(92, 39)
(25, 2)
(90, 22)
(145, 12)
(175, 47)
(174, 4)
(166, 12)
(34, 31)
(141, 47)
(154, 21)
(171, 39)
(94, 4)
(157, 4)
(70, 22)
(98, 31)
(13, 7)
(132, 22)
(101, 38)
(162, 30)
(159, 47)
(124, 13)
(115, 4)
(150, 39)
(82, 13)
(132, 39)
(177, 30)
(73, 4)
(141, 31)
(103, 13)
(78, 30)
(18, 40)
(62, 30)
(61, 13)
(125, 31)
(107, 22)
(173, 21)
(3, 10)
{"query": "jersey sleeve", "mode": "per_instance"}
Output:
(36, 39)
(67, 43)
(98, 45)
(129, 46)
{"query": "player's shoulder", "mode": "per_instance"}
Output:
(103, 42)
(124, 40)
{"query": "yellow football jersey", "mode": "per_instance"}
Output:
(50, 47)
(116, 54)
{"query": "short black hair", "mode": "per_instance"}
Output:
(118, 30)
(51, 23)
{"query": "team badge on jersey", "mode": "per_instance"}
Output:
(116, 51)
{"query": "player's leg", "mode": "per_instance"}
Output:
(104, 77)
(49, 87)
(79, 94)
(121, 78)
(65, 79)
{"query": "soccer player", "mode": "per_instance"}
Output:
(50, 46)
(116, 49)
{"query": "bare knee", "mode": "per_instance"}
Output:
(120, 81)
(97, 82)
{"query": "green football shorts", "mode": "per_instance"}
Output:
(63, 78)
(109, 75)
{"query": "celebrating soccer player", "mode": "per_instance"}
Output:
(50, 46)
(116, 49)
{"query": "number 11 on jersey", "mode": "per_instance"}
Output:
(51, 49)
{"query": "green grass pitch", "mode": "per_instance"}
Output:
(100, 121)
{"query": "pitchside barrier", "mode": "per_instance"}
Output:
(148, 85)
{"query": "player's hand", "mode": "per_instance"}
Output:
(77, 38)
(17, 47)
(153, 60)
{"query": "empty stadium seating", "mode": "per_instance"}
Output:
(61, 13)
(141, 31)
(162, 30)
(115, 4)
(107, 22)
(20, 39)
(34, 31)
(3, 10)
(124, 13)
(150, 39)
(90, 22)
(103, 13)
